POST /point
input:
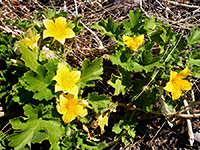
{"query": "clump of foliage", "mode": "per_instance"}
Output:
(47, 93)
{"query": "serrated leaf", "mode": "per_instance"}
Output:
(194, 37)
(133, 24)
(119, 58)
(34, 129)
(29, 57)
(117, 128)
(91, 71)
(147, 57)
(98, 102)
(54, 131)
(167, 34)
(194, 58)
(150, 24)
(117, 85)
(109, 28)
(27, 134)
(38, 82)
(150, 67)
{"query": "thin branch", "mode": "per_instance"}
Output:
(189, 125)
(183, 5)
(76, 9)
(157, 132)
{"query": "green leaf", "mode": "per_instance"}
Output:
(34, 129)
(39, 82)
(91, 71)
(76, 25)
(23, 24)
(147, 57)
(156, 64)
(109, 28)
(167, 34)
(194, 37)
(98, 102)
(54, 130)
(117, 128)
(150, 24)
(135, 21)
(194, 58)
(121, 58)
(117, 85)
(29, 57)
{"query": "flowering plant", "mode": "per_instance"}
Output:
(72, 103)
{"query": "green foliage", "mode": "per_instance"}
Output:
(39, 82)
(23, 24)
(29, 57)
(109, 28)
(98, 102)
(193, 38)
(35, 129)
(126, 130)
(91, 71)
(117, 85)
(135, 22)
(76, 25)
(30, 83)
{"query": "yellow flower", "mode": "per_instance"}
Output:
(70, 107)
(30, 39)
(176, 85)
(59, 29)
(66, 79)
(133, 43)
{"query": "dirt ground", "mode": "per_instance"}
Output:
(153, 131)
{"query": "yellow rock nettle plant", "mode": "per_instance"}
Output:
(66, 80)
(176, 83)
(70, 107)
(59, 29)
(133, 43)
(30, 39)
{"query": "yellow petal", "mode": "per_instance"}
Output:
(60, 39)
(68, 116)
(61, 110)
(71, 97)
(49, 25)
(80, 111)
(183, 74)
(75, 76)
(69, 33)
(58, 88)
(46, 34)
(126, 38)
(139, 40)
(169, 87)
(60, 22)
(61, 72)
(176, 94)
(186, 85)
(63, 100)
(73, 90)
(172, 75)
(84, 103)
